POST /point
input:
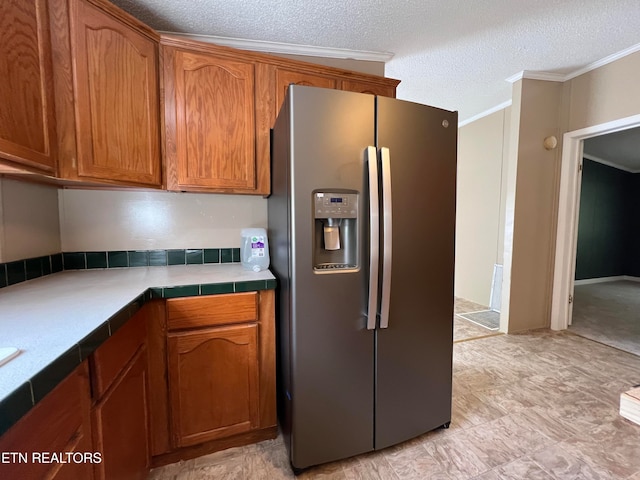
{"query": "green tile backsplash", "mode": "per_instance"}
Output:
(30, 268)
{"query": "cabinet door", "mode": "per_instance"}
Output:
(57, 425)
(27, 131)
(210, 122)
(213, 383)
(116, 82)
(370, 88)
(284, 78)
(120, 424)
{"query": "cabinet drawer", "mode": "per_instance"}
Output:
(108, 361)
(194, 312)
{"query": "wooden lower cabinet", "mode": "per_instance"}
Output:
(210, 385)
(59, 424)
(213, 382)
(220, 361)
(120, 421)
(120, 414)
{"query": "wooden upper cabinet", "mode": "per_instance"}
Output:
(367, 87)
(116, 98)
(285, 77)
(27, 126)
(210, 122)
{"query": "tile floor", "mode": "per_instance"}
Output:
(537, 405)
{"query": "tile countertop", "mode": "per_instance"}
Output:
(62, 317)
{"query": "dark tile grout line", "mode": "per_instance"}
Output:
(19, 271)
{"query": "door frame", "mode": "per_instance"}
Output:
(568, 209)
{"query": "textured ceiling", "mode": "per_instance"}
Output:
(455, 54)
(619, 148)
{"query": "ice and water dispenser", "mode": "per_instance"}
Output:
(335, 231)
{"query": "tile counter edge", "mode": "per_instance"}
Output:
(16, 404)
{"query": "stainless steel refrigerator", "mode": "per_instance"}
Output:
(361, 227)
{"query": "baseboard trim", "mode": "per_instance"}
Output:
(589, 281)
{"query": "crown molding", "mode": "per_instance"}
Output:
(557, 77)
(603, 61)
(531, 75)
(287, 48)
(486, 113)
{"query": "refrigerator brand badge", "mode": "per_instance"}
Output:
(257, 246)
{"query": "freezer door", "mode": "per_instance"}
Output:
(414, 352)
(331, 350)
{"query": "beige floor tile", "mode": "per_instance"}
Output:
(613, 447)
(490, 475)
(456, 456)
(565, 466)
(470, 410)
(377, 468)
(414, 463)
(504, 440)
(523, 468)
(171, 470)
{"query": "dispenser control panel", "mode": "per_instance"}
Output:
(335, 205)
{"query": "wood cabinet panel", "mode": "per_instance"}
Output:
(267, 359)
(116, 91)
(210, 120)
(120, 415)
(193, 312)
(157, 357)
(113, 355)
(285, 77)
(370, 88)
(213, 383)
(120, 424)
(27, 122)
(59, 423)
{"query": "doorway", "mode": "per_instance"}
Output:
(606, 296)
(567, 231)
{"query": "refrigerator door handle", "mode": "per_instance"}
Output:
(374, 236)
(386, 237)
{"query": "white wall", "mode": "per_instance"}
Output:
(101, 220)
(480, 205)
(28, 220)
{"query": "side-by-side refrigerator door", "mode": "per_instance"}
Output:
(417, 145)
(331, 395)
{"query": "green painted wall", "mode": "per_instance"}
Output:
(634, 220)
(608, 222)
